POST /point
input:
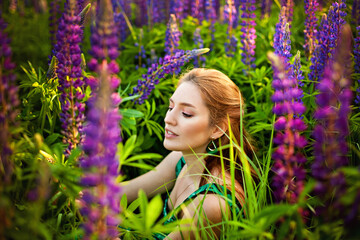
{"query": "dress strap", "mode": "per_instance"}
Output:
(181, 163)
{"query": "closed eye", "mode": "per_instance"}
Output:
(187, 115)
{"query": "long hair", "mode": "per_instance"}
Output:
(224, 101)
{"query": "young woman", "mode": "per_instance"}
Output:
(200, 111)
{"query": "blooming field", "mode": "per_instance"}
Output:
(84, 88)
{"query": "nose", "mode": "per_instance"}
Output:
(170, 118)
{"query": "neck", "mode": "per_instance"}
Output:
(195, 164)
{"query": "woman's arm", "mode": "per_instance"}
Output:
(155, 181)
(205, 211)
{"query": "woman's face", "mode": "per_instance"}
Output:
(187, 121)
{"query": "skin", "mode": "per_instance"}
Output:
(187, 134)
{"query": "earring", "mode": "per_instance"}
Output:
(214, 146)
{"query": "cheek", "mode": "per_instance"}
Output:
(197, 128)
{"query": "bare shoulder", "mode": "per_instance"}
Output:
(211, 206)
(170, 161)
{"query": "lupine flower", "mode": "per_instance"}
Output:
(279, 32)
(199, 43)
(288, 181)
(8, 104)
(69, 72)
(321, 53)
(248, 35)
(229, 16)
(330, 146)
(197, 7)
(155, 11)
(265, 8)
(210, 15)
(357, 63)
(167, 65)
(54, 15)
(289, 4)
(298, 74)
(311, 8)
(172, 36)
(177, 8)
(141, 56)
(119, 18)
(101, 196)
(355, 14)
(336, 20)
(141, 16)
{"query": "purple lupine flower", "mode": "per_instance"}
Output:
(210, 15)
(101, 196)
(266, 8)
(248, 35)
(8, 104)
(357, 63)
(330, 146)
(155, 11)
(172, 36)
(288, 181)
(100, 164)
(229, 16)
(355, 14)
(54, 15)
(177, 8)
(197, 9)
(311, 8)
(141, 16)
(321, 53)
(69, 72)
(119, 19)
(141, 56)
(167, 65)
(298, 74)
(289, 4)
(280, 31)
(199, 43)
(336, 20)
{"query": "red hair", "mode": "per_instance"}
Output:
(224, 101)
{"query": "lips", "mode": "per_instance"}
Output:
(169, 133)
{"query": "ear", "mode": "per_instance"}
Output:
(219, 130)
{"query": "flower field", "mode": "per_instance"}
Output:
(85, 86)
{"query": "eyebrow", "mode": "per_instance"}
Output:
(183, 103)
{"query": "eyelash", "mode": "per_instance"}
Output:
(184, 114)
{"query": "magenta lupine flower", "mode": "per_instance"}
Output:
(8, 104)
(311, 8)
(330, 146)
(357, 63)
(197, 9)
(288, 181)
(69, 72)
(101, 195)
(289, 4)
(248, 35)
(199, 43)
(266, 8)
(169, 64)
(172, 36)
(230, 13)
